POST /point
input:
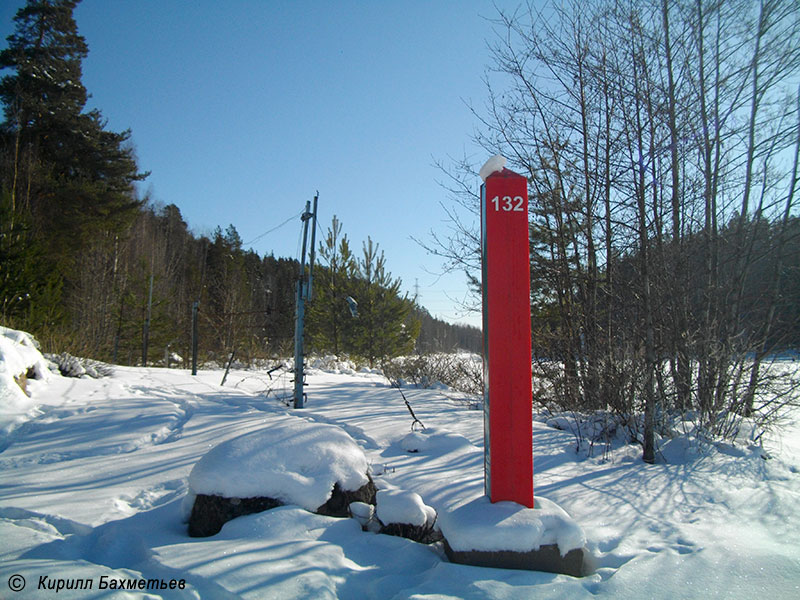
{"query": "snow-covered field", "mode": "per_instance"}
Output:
(93, 477)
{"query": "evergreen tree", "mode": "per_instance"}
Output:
(329, 317)
(63, 174)
(24, 274)
(385, 326)
(226, 285)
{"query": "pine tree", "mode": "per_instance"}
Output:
(329, 317)
(385, 327)
(227, 288)
(68, 179)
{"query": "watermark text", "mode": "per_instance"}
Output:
(17, 583)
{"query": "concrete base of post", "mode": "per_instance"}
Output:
(547, 558)
(507, 535)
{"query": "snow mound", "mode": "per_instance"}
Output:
(485, 526)
(402, 507)
(290, 460)
(19, 356)
(433, 440)
(494, 164)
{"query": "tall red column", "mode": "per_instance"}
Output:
(508, 429)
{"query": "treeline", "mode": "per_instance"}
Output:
(440, 336)
(132, 300)
(143, 292)
(660, 139)
(771, 319)
(91, 268)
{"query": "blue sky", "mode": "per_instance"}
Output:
(243, 109)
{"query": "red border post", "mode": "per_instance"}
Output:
(508, 429)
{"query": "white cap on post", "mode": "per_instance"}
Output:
(496, 163)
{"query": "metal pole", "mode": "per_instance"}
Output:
(195, 308)
(298, 348)
(146, 336)
(303, 292)
(313, 247)
(299, 401)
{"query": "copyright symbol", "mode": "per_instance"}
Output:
(16, 583)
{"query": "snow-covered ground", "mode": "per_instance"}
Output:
(94, 472)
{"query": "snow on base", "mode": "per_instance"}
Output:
(291, 460)
(18, 355)
(485, 526)
(402, 507)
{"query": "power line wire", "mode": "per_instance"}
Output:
(292, 218)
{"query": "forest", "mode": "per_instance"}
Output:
(92, 267)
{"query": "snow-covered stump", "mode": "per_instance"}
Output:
(315, 466)
(507, 535)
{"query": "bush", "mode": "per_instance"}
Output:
(462, 372)
(73, 366)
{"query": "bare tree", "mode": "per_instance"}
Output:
(655, 136)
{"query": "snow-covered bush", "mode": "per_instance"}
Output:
(679, 435)
(73, 366)
(332, 363)
(602, 429)
(621, 395)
